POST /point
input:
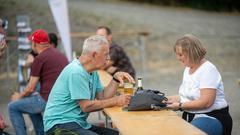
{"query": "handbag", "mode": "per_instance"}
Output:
(147, 100)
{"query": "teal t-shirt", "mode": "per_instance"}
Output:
(74, 83)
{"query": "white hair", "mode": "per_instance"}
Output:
(93, 43)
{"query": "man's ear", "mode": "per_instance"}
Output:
(94, 54)
(109, 38)
(35, 45)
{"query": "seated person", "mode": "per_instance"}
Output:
(3, 44)
(119, 61)
(78, 91)
(53, 39)
(45, 69)
(201, 94)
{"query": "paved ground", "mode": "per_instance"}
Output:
(220, 32)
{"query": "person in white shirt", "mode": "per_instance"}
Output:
(201, 94)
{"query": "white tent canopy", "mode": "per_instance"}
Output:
(60, 13)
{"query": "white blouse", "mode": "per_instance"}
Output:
(206, 76)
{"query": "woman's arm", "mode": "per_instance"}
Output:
(172, 99)
(206, 100)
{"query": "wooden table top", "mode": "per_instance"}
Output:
(165, 122)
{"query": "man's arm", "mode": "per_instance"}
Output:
(28, 90)
(95, 105)
(108, 91)
(106, 98)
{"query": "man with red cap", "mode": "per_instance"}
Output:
(45, 69)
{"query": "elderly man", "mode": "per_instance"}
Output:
(119, 61)
(78, 91)
(45, 69)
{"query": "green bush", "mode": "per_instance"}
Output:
(210, 5)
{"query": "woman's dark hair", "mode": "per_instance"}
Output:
(53, 39)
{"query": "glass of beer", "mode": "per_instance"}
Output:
(128, 88)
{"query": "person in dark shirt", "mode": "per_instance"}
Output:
(53, 39)
(119, 61)
(45, 69)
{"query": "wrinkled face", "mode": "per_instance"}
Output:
(102, 56)
(182, 57)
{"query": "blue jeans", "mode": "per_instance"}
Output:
(33, 105)
(73, 128)
(208, 125)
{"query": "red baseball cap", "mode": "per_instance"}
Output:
(39, 36)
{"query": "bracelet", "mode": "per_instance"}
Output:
(116, 80)
(180, 107)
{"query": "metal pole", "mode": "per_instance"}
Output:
(8, 65)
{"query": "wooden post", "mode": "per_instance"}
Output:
(24, 46)
(142, 44)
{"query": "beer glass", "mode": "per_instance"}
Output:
(128, 88)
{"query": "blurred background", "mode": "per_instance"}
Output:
(146, 28)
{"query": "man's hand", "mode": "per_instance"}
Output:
(29, 60)
(16, 96)
(121, 76)
(123, 100)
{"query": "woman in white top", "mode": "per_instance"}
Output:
(201, 94)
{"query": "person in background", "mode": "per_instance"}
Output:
(3, 44)
(31, 55)
(119, 61)
(201, 94)
(53, 39)
(78, 91)
(45, 69)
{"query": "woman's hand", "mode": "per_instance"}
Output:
(121, 76)
(172, 99)
(174, 106)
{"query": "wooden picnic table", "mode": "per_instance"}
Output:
(163, 122)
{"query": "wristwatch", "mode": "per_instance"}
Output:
(116, 80)
(180, 107)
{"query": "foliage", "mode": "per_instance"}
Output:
(210, 5)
